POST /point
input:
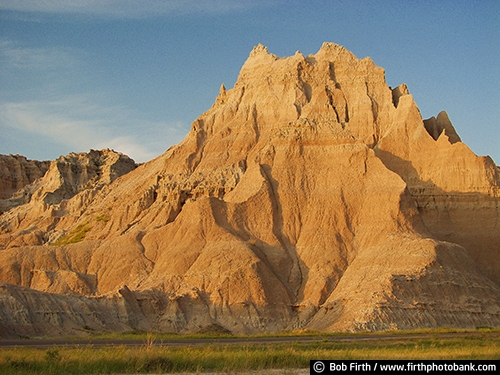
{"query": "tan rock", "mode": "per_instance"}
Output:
(60, 196)
(310, 195)
(16, 172)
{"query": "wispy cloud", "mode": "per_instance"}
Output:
(81, 124)
(51, 107)
(15, 56)
(132, 8)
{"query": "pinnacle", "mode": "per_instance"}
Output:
(259, 49)
(222, 90)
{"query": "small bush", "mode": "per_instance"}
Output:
(19, 364)
(52, 355)
(158, 365)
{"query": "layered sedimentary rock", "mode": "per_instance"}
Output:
(15, 173)
(311, 195)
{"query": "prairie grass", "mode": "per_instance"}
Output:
(216, 332)
(235, 357)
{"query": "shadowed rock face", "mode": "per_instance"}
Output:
(15, 173)
(311, 195)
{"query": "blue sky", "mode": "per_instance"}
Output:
(133, 74)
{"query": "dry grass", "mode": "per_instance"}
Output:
(236, 358)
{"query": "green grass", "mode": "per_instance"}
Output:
(76, 235)
(236, 357)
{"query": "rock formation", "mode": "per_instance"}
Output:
(15, 173)
(311, 195)
(41, 205)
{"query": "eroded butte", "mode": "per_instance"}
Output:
(311, 195)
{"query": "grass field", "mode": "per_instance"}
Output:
(233, 358)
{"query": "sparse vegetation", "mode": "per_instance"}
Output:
(232, 357)
(214, 330)
(104, 218)
(76, 235)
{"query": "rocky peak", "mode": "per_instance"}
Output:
(259, 50)
(70, 174)
(436, 126)
(274, 91)
(398, 92)
(334, 52)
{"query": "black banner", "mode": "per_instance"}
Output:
(320, 366)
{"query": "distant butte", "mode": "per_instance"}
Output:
(310, 196)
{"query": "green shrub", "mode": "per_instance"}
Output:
(76, 235)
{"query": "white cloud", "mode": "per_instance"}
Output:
(81, 124)
(13, 55)
(131, 8)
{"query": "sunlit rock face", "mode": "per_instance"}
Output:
(311, 195)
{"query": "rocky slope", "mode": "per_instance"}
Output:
(311, 195)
